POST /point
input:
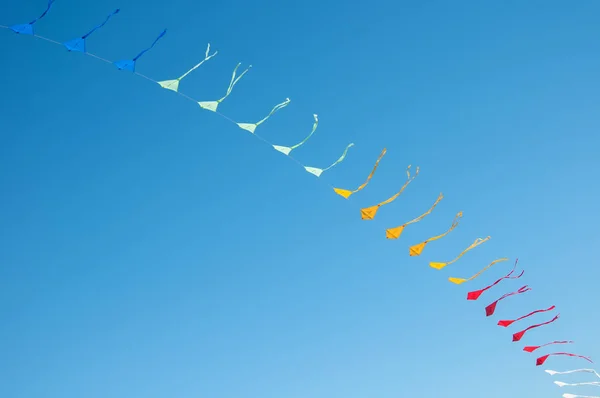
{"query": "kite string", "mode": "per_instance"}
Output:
(187, 97)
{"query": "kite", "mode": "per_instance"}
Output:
(473, 245)
(474, 295)
(345, 192)
(417, 249)
(317, 171)
(250, 127)
(213, 105)
(532, 348)
(490, 309)
(566, 372)
(589, 383)
(394, 233)
(578, 396)
(369, 213)
(542, 359)
(519, 335)
(129, 64)
(460, 281)
(78, 44)
(173, 84)
(507, 323)
(27, 29)
(286, 150)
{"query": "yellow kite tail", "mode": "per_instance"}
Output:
(368, 213)
(394, 233)
(417, 249)
(473, 245)
(459, 281)
(346, 193)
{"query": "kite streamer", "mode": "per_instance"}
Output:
(459, 281)
(532, 348)
(519, 335)
(507, 323)
(490, 309)
(417, 249)
(129, 64)
(368, 213)
(473, 245)
(27, 29)
(286, 150)
(346, 193)
(566, 372)
(213, 105)
(589, 383)
(317, 172)
(542, 359)
(251, 127)
(394, 233)
(78, 44)
(173, 85)
(474, 295)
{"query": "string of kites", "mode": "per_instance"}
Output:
(79, 45)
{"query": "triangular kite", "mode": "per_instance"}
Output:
(27, 29)
(346, 193)
(460, 281)
(507, 323)
(473, 245)
(566, 372)
(317, 171)
(369, 213)
(519, 335)
(129, 64)
(532, 348)
(213, 105)
(394, 233)
(417, 249)
(78, 44)
(542, 359)
(250, 127)
(474, 295)
(173, 85)
(287, 149)
(490, 309)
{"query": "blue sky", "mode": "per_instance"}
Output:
(153, 249)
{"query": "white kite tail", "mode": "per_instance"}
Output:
(287, 149)
(566, 395)
(588, 383)
(317, 171)
(173, 85)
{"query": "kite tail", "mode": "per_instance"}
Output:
(314, 128)
(490, 309)
(394, 233)
(341, 158)
(346, 193)
(164, 32)
(44, 13)
(101, 25)
(532, 348)
(506, 323)
(472, 246)
(234, 80)
(459, 281)
(369, 213)
(417, 249)
(206, 58)
(519, 335)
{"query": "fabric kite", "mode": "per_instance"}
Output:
(27, 29)
(507, 323)
(129, 64)
(369, 213)
(213, 105)
(394, 233)
(532, 348)
(565, 395)
(490, 309)
(473, 245)
(251, 127)
(519, 335)
(317, 172)
(287, 149)
(78, 44)
(566, 372)
(542, 359)
(474, 295)
(345, 193)
(417, 249)
(589, 383)
(459, 281)
(173, 85)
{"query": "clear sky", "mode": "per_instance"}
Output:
(152, 249)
